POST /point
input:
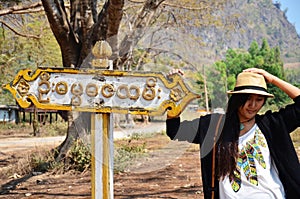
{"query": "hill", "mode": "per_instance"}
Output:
(248, 21)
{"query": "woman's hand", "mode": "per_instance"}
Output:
(175, 71)
(291, 90)
(268, 76)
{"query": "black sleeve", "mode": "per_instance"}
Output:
(287, 117)
(198, 131)
(183, 131)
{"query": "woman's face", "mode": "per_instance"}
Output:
(253, 104)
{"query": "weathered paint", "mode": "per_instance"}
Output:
(78, 90)
(102, 156)
(102, 91)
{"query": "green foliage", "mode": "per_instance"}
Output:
(14, 126)
(125, 153)
(55, 129)
(21, 52)
(40, 162)
(43, 160)
(293, 75)
(79, 156)
(217, 84)
(260, 57)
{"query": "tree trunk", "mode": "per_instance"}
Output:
(77, 35)
(79, 127)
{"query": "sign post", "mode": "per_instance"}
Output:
(102, 158)
(101, 92)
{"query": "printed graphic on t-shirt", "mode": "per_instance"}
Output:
(246, 163)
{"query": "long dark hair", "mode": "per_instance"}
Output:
(228, 142)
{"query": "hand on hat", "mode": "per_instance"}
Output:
(268, 77)
(176, 71)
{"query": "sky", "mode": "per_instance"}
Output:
(293, 11)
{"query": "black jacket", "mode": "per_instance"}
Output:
(276, 126)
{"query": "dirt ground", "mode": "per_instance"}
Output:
(170, 170)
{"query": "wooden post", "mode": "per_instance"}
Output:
(24, 119)
(102, 155)
(50, 114)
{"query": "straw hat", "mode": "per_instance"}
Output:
(252, 83)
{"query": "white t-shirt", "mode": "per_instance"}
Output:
(255, 175)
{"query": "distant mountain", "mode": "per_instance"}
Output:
(247, 21)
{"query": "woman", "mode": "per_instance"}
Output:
(244, 154)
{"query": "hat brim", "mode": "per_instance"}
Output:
(251, 91)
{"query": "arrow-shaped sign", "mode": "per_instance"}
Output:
(102, 91)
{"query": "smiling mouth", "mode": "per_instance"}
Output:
(251, 112)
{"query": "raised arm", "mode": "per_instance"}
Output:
(291, 90)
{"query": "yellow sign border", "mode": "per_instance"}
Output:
(27, 75)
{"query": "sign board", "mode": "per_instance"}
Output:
(105, 92)
(100, 91)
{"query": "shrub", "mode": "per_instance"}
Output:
(79, 156)
(125, 153)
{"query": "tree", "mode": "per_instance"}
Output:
(79, 25)
(261, 57)
(26, 41)
(293, 75)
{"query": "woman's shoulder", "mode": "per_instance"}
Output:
(212, 118)
(289, 114)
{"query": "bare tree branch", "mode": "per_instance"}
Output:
(185, 7)
(21, 9)
(63, 32)
(173, 5)
(141, 21)
(136, 1)
(83, 22)
(106, 27)
(114, 19)
(159, 51)
(33, 10)
(18, 33)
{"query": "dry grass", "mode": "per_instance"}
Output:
(24, 163)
